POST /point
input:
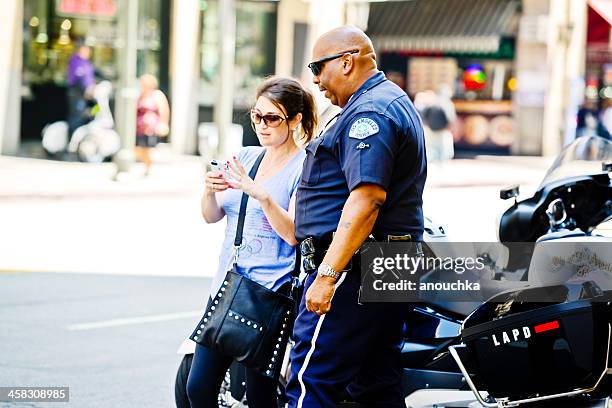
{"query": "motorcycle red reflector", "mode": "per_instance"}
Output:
(540, 328)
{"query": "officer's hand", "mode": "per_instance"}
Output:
(319, 294)
(240, 180)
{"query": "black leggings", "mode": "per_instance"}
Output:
(207, 373)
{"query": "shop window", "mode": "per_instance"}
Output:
(484, 80)
(255, 49)
(54, 28)
(481, 91)
(469, 79)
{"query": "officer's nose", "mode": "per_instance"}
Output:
(315, 79)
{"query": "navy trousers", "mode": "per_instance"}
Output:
(352, 349)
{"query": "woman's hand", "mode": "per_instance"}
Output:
(239, 179)
(214, 183)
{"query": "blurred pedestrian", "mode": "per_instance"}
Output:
(588, 120)
(81, 81)
(283, 109)
(152, 119)
(438, 116)
(606, 118)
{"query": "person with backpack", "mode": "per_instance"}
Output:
(437, 117)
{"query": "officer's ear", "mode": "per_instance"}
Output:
(348, 63)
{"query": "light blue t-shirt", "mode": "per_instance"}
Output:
(265, 257)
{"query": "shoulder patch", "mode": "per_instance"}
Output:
(362, 128)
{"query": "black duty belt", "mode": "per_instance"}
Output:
(313, 249)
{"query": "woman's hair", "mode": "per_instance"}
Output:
(288, 95)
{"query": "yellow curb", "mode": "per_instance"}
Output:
(18, 271)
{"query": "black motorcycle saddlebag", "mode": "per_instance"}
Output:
(540, 341)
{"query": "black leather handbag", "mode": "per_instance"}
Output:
(246, 320)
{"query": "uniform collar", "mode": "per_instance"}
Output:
(370, 83)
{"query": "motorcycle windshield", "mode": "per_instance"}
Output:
(582, 157)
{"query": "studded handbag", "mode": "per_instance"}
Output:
(246, 320)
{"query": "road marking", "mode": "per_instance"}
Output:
(134, 320)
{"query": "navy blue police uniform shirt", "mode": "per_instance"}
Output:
(377, 138)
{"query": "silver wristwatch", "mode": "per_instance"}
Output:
(326, 270)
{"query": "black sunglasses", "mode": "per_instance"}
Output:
(271, 120)
(317, 66)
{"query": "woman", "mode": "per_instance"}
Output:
(283, 108)
(152, 118)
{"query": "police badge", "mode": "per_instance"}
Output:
(362, 128)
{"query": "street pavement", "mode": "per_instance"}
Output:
(111, 339)
(72, 217)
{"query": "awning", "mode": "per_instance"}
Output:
(442, 25)
(603, 8)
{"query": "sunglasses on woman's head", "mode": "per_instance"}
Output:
(317, 66)
(270, 119)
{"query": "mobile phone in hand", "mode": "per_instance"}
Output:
(221, 167)
(215, 166)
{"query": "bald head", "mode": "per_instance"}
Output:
(344, 59)
(347, 38)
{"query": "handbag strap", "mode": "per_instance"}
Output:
(243, 206)
(240, 227)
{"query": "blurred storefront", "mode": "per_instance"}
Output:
(599, 52)
(255, 57)
(53, 29)
(516, 67)
(465, 45)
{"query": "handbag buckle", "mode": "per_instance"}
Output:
(236, 253)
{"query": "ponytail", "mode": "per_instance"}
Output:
(309, 117)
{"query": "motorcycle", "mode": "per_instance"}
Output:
(553, 337)
(546, 341)
(513, 349)
(92, 142)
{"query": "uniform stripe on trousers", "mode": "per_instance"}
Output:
(313, 342)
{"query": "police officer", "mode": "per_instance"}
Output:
(364, 176)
